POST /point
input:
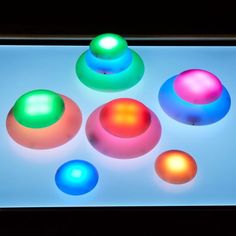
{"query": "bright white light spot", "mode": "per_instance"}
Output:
(39, 109)
(177, 163)
(108, 42)
(76, 173)
(38, 105)
(38, 99)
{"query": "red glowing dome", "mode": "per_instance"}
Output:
(125, 117)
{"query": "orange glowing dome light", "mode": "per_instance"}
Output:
(176, 167)
(125, 117)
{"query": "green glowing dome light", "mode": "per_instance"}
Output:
(38, 108)
(110, 82)
(108, 46)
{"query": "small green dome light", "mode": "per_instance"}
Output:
(38, 108)
(108, 46)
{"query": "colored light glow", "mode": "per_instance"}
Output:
(189, 113)
(37, 105)
(75, 173)
(118, 147)
(106, 66)
(125, 117)
(108, 42)
(108, 46)
(38, 108)
(176, 163)
(76, 177)
(176, 167)
(198, 86)
(110, 82)
(49, 137)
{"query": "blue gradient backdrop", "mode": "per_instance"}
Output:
(27, 176)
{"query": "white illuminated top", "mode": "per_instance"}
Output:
(108, 42)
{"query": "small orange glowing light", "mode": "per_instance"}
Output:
(176, 167)
(125, 117)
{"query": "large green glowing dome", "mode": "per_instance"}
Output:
(38, 108)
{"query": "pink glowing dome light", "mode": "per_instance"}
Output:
(198, 86)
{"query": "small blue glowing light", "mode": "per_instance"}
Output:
(76, 177)
(109, 66)
(192, 114)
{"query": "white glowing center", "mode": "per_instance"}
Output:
(108, 42)
(177, 163)
(39, 104)
(76, 173)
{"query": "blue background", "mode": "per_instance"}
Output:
(27, 176)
